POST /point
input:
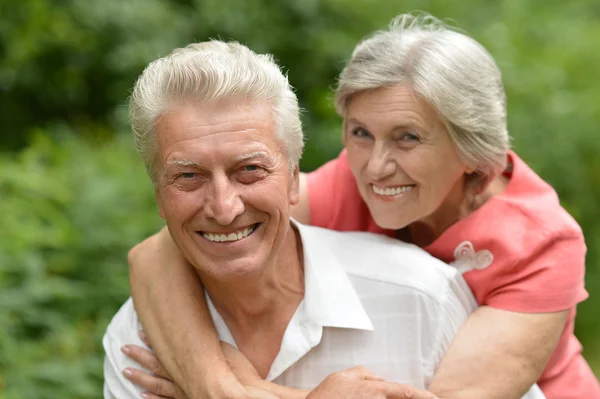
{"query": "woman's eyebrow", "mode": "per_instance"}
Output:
(354, 121)
(404, 127)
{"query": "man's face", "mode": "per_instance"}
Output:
(225, 186)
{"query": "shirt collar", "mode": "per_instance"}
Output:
(329, 297)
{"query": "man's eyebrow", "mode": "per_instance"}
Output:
(255, 154)
(179, 162)
(183, 162)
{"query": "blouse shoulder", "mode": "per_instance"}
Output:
(521, 250)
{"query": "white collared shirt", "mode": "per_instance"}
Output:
(369, 300)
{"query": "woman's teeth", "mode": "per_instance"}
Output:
(391, 190)
(235, 236)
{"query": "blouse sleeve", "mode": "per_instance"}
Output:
(548, 279)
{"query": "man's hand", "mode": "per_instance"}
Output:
(359, 383)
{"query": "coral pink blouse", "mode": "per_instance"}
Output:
(521, 251)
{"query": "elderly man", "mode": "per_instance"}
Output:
(218, 129)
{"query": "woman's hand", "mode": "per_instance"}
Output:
(360, 383)
(159, 384)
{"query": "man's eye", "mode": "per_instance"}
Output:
(249, 174)
(188, 175)
(250, 168)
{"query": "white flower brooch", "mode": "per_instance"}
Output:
(466, 259)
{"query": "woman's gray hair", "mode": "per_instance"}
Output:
(450, 70)
(210, 71)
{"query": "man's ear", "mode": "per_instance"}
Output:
(159, 201)
(295, 186)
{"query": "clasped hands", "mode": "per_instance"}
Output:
(354, 383)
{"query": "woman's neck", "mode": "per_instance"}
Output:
(463, 200)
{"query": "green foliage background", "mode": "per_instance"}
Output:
(73, 193)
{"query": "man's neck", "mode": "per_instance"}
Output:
(257, 311)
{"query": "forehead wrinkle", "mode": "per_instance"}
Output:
(255, 154)
(414, 116)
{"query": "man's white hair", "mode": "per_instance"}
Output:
(450, 70)
(210, 71)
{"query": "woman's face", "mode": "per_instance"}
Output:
(404, 162)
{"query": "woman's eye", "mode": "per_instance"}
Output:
(361, 133)
(409, 137)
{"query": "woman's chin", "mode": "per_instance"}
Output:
(389, 223)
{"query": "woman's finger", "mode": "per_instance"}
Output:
(361, 373)
(144, 338)
(158, 386)
(150, 395)
(401, 391)
(146, 359)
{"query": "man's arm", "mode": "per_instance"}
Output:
(497, 354)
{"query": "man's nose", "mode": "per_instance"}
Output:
(223, 203)
(381, 163)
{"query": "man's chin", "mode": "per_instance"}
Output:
(229, 270)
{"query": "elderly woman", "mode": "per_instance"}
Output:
(426, 160)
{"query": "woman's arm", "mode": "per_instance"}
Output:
(498, 354)
(355, 383)
(169, 299)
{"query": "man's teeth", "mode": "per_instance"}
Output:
(235, 236)
(392, 190)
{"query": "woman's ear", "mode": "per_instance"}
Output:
(476, 182)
